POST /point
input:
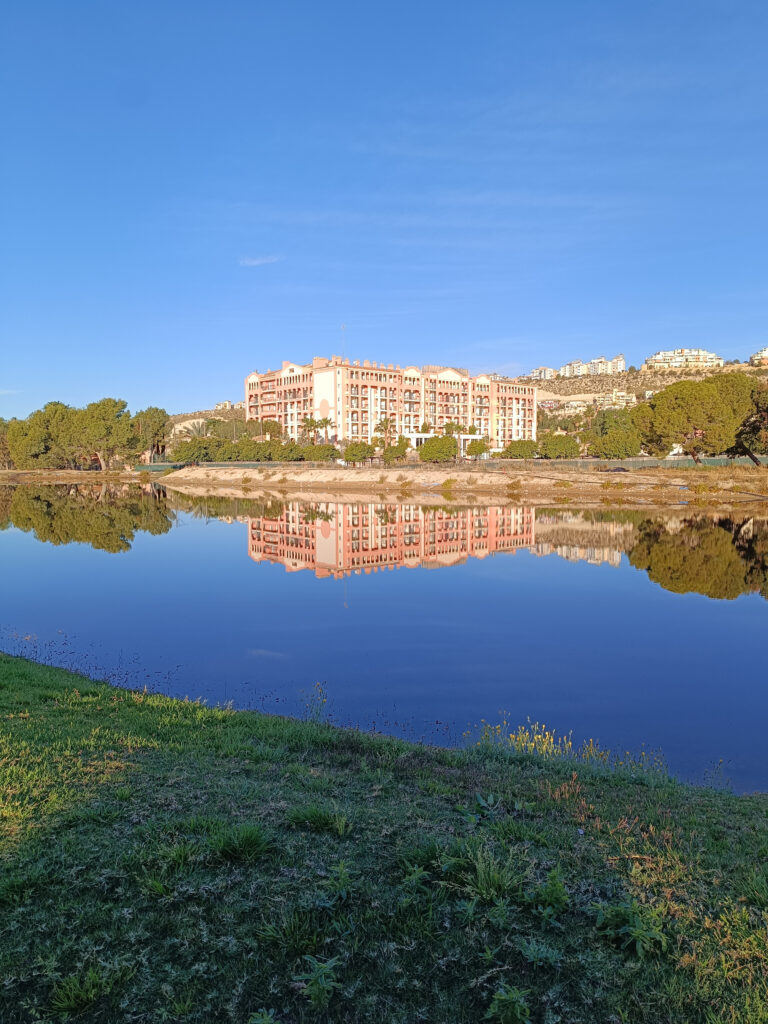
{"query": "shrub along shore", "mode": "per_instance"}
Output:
(162, 860)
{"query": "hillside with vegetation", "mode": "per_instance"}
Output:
(228, 415)
(635, 382)
(726, 414)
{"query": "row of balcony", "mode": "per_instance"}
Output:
(444, 407)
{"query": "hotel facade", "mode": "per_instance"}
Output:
(356, 396)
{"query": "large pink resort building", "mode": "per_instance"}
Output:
(356, 396)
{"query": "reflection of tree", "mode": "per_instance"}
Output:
(216, 507)
(106, 520)
(6, 494)
(752, 542)
(314, 513)
(718, 558)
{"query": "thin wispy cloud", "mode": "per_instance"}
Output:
(259, 261)
(469, 218)
(264, 652)
(9, 391)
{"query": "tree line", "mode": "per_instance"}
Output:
(548, 446)
(61, 436)
(248, 449)
(725, 414)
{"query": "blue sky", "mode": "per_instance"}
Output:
(193, 190)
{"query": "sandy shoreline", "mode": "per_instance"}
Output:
(723, 487)
(717, 487)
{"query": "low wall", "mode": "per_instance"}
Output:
(503, 466)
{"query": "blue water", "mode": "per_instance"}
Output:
(596, 649)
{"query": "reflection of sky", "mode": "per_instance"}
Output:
(604, 652)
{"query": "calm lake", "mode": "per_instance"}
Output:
(635, 628)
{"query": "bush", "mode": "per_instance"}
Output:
(438, 449)
(201, 449)
(321, 453)
(520, 450)
(558, 446)
(358, 451)
(248, 449)
(477, 448)
(617, 443)
(395, 452)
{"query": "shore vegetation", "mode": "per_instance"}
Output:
(59, 436)
(165, 861)
(725, 414)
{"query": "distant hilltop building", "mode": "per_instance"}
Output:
(683, 359)
(759, 358)
(353, 398)
(543, 373)
(606, 367)
(599, 367)
(616, 400)
(580, 553)
(228, 405)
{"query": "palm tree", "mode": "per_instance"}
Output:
(310, 426)
(384, 427)
(325, 424)
(194, 428)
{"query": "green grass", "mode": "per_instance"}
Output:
(164, 861)
(318, 819)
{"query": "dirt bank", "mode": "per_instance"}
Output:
(539, 483)
(13, 477)
(721, 487)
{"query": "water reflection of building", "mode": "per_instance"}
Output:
(335, 539)
(579, 553)
(580, 537)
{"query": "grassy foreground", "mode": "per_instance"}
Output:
(164, 861)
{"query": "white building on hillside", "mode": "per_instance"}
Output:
(683, 359)
(616, 400)
(599, 367)
(574, 369)
(602, 367)
(759, 358)
(543, 373)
